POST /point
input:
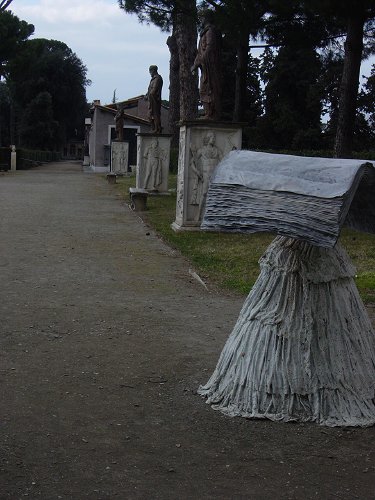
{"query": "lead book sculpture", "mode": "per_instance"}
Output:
(303, 348)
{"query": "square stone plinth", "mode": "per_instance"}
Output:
(153, 155)
(202, 146)
(119, 157)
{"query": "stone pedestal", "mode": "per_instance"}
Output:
(138, 199)
(202, 146)
(153, 154)
(119, 157)
(13, 161)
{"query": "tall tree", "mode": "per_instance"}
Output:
(179, 17)
(367, 98)
(4, 4)
(329, 81)
(185, 25)
(13, 33)
(240, 20)
(364, 133)
(159, 12)
(351, 18)
(50, 67)
(4, 115)
(39, 127)
(174, 87)
(292, 92)
(358, 14)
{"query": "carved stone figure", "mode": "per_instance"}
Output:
(119, 120)
(203, 161)
(154, 99)
(154, 157)
(208, 60)
(119, 157)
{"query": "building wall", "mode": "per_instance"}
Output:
(102, 129)
(92, 140)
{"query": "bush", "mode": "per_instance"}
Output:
(27, 158)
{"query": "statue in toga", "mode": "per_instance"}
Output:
(208, 60)
(154, 99)
(119, 120)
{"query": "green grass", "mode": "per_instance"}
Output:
(361, 249)
(231, 260)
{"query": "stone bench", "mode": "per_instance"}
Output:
(138, 199)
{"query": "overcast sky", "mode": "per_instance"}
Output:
(116, 49)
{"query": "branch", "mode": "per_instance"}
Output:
(143, 9)
(265, 46)
(213, 3)
(159, 9)
(4, 4)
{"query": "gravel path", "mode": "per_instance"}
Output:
(104, 339)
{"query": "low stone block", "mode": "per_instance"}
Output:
(138, 198)
(111, 178)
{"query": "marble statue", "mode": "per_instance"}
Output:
(119, 120)
(154, 100)
(208, 60)
(119, 157)
(203, 161)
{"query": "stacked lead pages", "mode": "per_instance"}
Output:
(299, 197)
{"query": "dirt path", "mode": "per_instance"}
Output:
(104, 339)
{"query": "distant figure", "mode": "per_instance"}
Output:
(154, 99)
(208, 60)
(119, 119)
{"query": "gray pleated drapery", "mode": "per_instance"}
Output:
(303, 348)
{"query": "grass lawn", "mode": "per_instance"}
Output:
(231, 260)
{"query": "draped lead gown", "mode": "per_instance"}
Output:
(303, 348)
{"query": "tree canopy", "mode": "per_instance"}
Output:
(4, 4)
(179, 17)
(13, 33)
(310, 70)
(47, 84)
(296, 83)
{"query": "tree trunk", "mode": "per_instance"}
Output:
(349, 86)
(174, 87)
(186, 37)
(12, 125)
(241, 77)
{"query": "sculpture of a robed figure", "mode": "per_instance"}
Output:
(154, 100)
(303, 347)
(208, 60)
